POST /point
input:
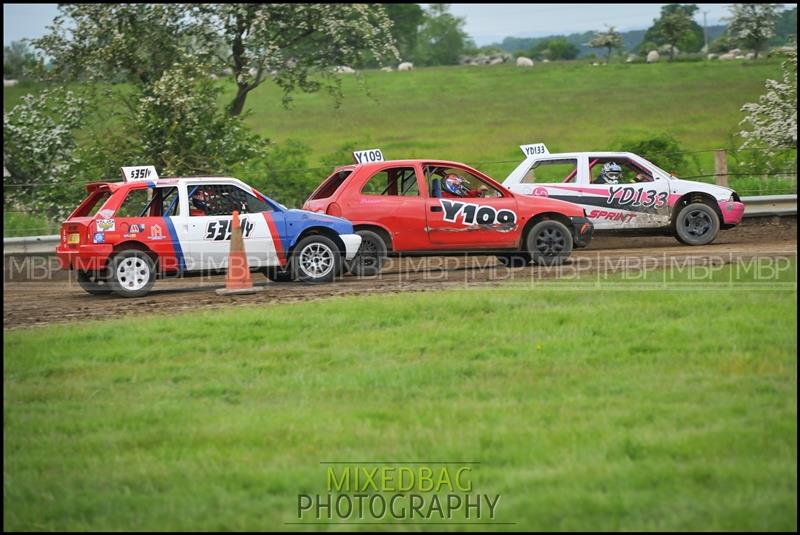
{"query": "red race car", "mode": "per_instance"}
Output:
(436, 207)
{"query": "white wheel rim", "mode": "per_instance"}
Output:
(133, 274)
(316, 260)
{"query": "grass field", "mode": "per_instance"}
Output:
(483, 114)
(588, 406)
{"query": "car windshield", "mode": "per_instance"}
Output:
(657, 168)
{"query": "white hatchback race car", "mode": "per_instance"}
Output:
(621, 191)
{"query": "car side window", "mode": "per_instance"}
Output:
(630, 172)
(469, 185)
(163, 203)
(397, 181)
(552, 171)
(222, 199)
(135, 203)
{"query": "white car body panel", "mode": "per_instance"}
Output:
(645, 205)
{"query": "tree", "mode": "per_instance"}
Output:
(610, 40)
(555, 48)
(773, 119)
(19, 61)
(181, 130)
(134, 43)
(675, 28)
(406, 20)
(442, 37)
(298, 44)
(753, 24)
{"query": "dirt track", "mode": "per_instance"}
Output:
(27, 304)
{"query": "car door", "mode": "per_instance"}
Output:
(390, 197)
(205, 223)
(469, 222)
(638, 200)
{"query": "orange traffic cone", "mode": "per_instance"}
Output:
(238, 280)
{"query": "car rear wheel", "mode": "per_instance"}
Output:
(370, 257)
(315, 259)
(93, 284)
(514, 260)
(132, 274)
(696, 224)
(549, 243)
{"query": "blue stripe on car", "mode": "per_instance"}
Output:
(176, 243)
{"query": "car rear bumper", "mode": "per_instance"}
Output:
(84, 257)
(732, 212)
(351, 244)
(582, 231)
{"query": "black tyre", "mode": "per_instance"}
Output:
(315, 259)
(93, 284)
(696, 224)
(549, 243)
(278, 274)
(514, 260)
(131, 273)
(370, 257)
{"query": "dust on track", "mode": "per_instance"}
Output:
(28, 304)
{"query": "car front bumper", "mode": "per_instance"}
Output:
(582, 231)
(732, 212)
(351, 244)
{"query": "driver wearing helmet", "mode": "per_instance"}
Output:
(610, 174)
(456, 186)
(199, 205)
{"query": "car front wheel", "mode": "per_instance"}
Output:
(315, 259)
(549, 243)
(696, 224)
(132, 274)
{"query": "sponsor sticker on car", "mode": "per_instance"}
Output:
(105, 225)
(156, 233)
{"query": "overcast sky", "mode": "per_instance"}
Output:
(485, 23)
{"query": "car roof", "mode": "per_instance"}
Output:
(166, 181)
(373, 165)
(599, 153)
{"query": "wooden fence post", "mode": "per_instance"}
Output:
(721, 167)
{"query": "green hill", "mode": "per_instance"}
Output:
(482, 114)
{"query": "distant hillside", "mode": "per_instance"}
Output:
(785, 30)
(630, 39)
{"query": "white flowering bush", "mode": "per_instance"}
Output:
(609, 40)
(40, 151)
(772, 121)
(752, 25)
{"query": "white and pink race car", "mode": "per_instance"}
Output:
(621, 191)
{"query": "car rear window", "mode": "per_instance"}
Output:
(92, 204)
(331, 184)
